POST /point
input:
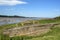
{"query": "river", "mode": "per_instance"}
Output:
(4, 20)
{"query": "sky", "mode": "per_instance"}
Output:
(30, 8)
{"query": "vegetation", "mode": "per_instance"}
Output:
(12, 16)
(54, 34)
(57, 17)
(49, 21)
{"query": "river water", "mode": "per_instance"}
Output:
(4, 21)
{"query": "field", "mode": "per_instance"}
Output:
(53, 34)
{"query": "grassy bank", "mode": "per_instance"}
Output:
(43, 21)
(54, 34)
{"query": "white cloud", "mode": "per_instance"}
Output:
(11, 2)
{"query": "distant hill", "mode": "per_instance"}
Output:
(57, 17)
(12, 16)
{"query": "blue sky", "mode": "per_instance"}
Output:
(30, 8)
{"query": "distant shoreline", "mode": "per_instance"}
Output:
(12, 16)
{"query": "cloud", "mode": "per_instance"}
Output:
(11, 2)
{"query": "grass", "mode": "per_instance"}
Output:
(49, 21)
(8, 26)
(54, 34)
(19, 24)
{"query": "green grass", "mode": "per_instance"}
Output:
(54, 34)
(8, 26)
(49, 21)
(19, 24)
